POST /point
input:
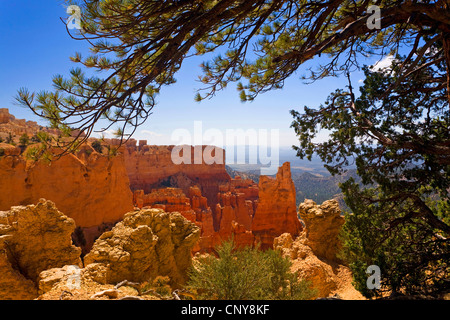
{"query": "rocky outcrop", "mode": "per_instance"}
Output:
(276, 213)
(34, 238)
(152, 167)
(4, 115)
(323, 224)
(146, 244)
(328, 278)
(89, 187)
(9, 125)
(313, 252)
(13, 285)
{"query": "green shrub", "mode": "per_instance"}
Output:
(10, 139)
(33, 153)
(246, 274)
(97, 146)
(24, 140)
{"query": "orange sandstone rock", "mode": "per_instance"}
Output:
(92, 192)
(33, 238)
(276, 212)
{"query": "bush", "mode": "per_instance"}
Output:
(97, 146)
(246, 274)
(10, 139)
(24, 140)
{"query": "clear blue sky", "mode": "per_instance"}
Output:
(35, 46)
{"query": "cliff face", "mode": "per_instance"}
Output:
(151, 167)
(90, 189)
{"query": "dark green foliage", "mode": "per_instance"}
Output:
(97, 145)
(397, 133)
(24, 140)
(10, 138)
(244, 274)
(413, 257)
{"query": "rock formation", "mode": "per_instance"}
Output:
(276, 213)
(146, 244)
(17, 127)
(323, 224)
(152, 167)
(91, 188)
(243, 210)
(313, 252)
(33, 238)
(327, 277)
(13, 285)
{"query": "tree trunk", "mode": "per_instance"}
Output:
(446, 42)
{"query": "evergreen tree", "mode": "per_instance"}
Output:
(400, 219)
(246, 274)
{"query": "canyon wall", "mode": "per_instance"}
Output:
(151, 167)
(91, 188)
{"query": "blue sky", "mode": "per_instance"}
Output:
(35, 46)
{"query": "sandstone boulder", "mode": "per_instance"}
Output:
(13, 285)
(146, 244)
(323, 224)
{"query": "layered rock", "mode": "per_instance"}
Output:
(146, 244)
(34, 238)
(323, 224)
(276, 212)
(168, 199)
(152, 167)
(91, 188)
